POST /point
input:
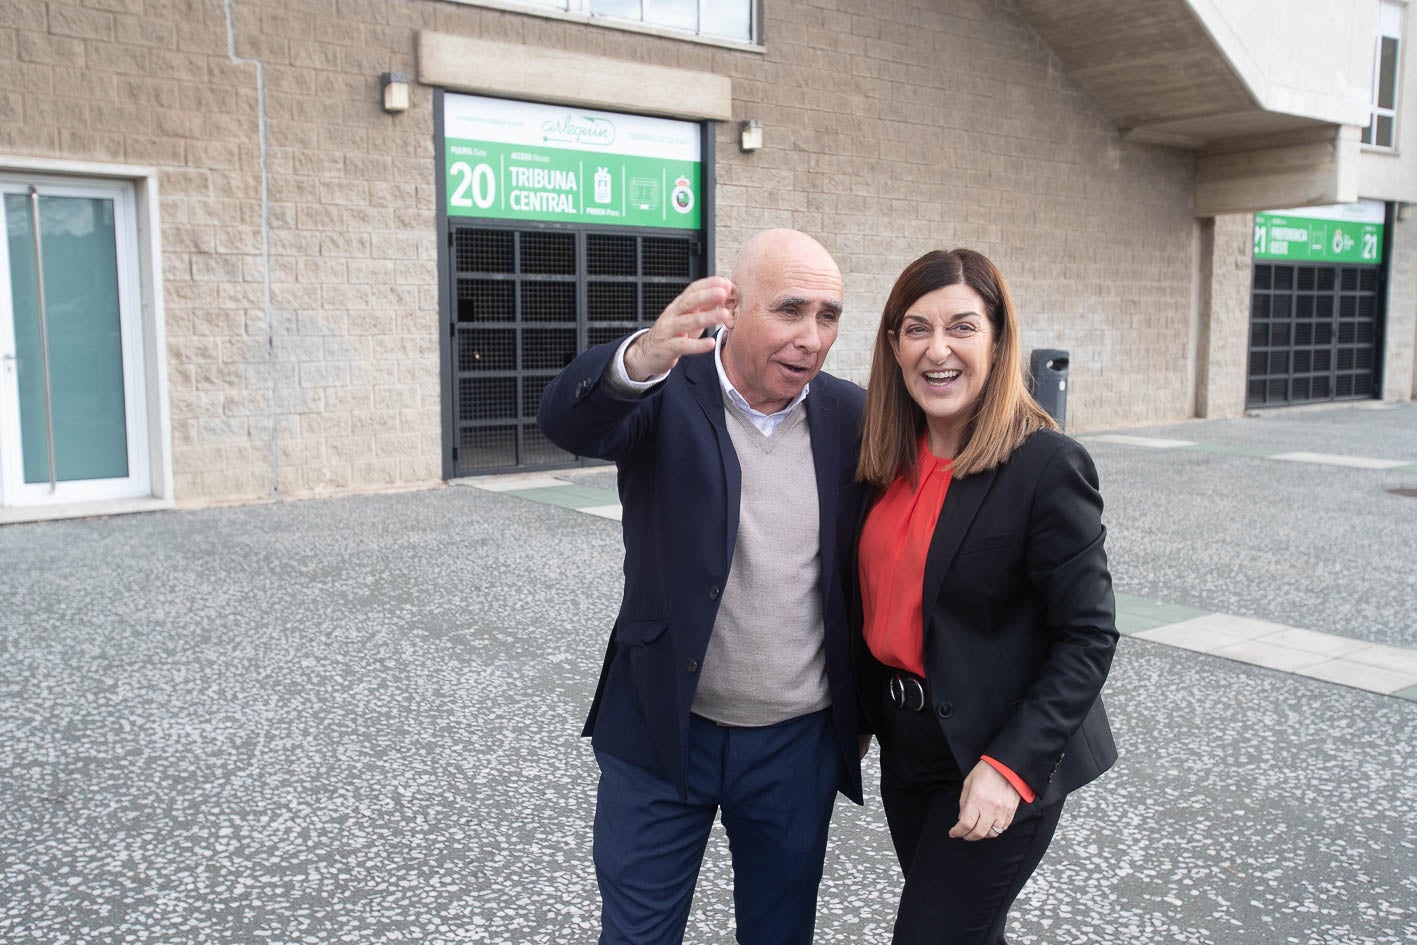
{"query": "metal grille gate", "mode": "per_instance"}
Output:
(527, 301)
(1314, 333)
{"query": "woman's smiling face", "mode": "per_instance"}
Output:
(944, 349)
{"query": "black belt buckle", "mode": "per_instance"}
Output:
(907, 692)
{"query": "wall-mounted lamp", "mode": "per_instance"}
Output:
(396, 91)
(751, 134)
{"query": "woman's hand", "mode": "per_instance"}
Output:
(988, 800)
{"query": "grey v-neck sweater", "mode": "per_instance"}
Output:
(766, 661)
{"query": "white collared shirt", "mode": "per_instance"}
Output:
(765, 422)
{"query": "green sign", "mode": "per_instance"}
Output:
(513, 182)
(1346, 233)
(519, 161)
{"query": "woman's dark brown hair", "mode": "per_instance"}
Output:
(1005, 414)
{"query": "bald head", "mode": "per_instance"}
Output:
(785, 307)
(773, 256)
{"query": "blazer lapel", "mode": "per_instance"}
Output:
(826, 452)
(962, 502)
(702, 377)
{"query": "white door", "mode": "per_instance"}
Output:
(73, 422)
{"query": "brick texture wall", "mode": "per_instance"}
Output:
(299, 220)
(150, 83)
(894, 131)
(1226, 271)
(1399, 361)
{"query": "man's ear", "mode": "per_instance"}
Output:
(732, 306)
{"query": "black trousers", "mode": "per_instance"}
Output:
(956, 892)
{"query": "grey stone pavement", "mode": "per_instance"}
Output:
(355, 720)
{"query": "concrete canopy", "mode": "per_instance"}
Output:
(1270, 94)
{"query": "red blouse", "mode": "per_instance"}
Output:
(894, 543)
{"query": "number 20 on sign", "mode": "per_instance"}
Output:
(475, 186)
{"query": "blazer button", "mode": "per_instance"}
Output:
(944, 710)
(713, 592)
(691, 665)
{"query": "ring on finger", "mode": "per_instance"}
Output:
(996, 830)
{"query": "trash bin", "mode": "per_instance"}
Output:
(1048, 381)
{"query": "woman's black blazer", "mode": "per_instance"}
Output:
(1020, 622)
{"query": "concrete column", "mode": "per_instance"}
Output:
(1399, 362)
(1224, 260)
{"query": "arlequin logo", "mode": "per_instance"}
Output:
(681, 198)
(579, 130)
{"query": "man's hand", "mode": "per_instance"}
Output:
(676, 332)
(987, 800)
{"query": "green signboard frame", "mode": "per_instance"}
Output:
(1347, 233)
(522, 161)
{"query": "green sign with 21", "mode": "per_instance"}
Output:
(1344, 234)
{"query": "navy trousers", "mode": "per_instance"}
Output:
(774, 786)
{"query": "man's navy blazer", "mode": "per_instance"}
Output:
(679, 484)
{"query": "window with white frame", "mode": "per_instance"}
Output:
(720, 19)
(1382, 124)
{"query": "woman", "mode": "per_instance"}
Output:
(986, 602)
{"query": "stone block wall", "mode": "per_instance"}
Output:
(299, 221)
(1225, 272)
(893, 129)
(1399, 360)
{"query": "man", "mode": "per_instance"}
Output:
(727, 680)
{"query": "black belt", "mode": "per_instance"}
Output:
(907, 691)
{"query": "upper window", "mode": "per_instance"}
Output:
(1382, 124)
(722, 19)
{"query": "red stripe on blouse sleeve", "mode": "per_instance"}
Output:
(1024, 791)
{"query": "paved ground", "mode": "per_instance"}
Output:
(354, 720)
